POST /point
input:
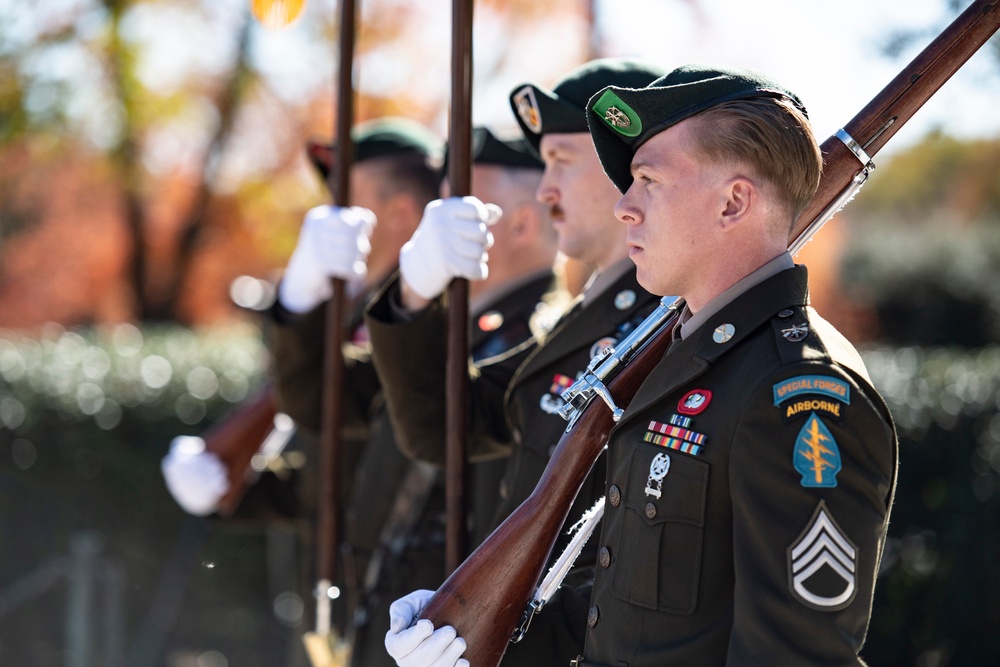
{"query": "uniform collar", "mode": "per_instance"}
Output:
(691, 322)
(741, 317)
(602, 280)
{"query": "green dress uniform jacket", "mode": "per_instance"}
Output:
(748, 494)
(496, 327)
(514, 403)
(514, 398)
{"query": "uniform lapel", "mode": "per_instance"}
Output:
(511, 305)
(584, 326)
(687, 359)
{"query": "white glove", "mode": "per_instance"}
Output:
(421, 645)
(333, 243)
(451, 242)
(195, 478)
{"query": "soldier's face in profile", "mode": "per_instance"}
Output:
(581, 198)
(671, 212)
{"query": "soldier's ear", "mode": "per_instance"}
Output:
(739, 198)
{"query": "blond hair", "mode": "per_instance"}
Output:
(769, 136)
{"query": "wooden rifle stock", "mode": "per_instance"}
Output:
(484, 599)
(235, 439)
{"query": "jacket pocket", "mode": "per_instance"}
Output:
(658, 563)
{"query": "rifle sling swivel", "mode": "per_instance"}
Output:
(856, 148)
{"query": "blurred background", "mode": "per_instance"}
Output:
(153, 177)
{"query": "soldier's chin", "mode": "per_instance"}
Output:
(647, 279)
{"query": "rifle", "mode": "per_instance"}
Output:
(249, 430)
(456, 362)
(486, 599)
(319, 644)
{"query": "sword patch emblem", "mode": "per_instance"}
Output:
(822, 564)
(816, 457)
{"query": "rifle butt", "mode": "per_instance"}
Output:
(235, 439)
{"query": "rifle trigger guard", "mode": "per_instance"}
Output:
(855, 148)
(530, 610)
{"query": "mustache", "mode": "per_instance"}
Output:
(556, 211)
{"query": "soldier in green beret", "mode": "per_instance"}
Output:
(393, 508)
(750, 479)
(409, 547)
(516, 398)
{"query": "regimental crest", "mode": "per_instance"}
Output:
(551, 402)
(816, 457)
(601, 345)
(822, 564)
(527, 109)
(490, 321)
(796, 333)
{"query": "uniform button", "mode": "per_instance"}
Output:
(593, 616)
(552, 450)
(786, 313)
(650, 510)
(517, 436)
(604, 555)
(504, 489)
(614, 495)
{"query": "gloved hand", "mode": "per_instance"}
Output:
(333, 243)
(451, 242)
(195, 478)
(421, 645)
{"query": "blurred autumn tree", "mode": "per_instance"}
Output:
(119, 118)
(151, 150)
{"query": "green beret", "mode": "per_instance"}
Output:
(383, 137)
(564, 108)
(487, 148)
(623, 119)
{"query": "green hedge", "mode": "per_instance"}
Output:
(936, 599)
(85, 418)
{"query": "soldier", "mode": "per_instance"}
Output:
(396, 172)
(750, 479)
(515, 401)
(375, 571)
(404, 530)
